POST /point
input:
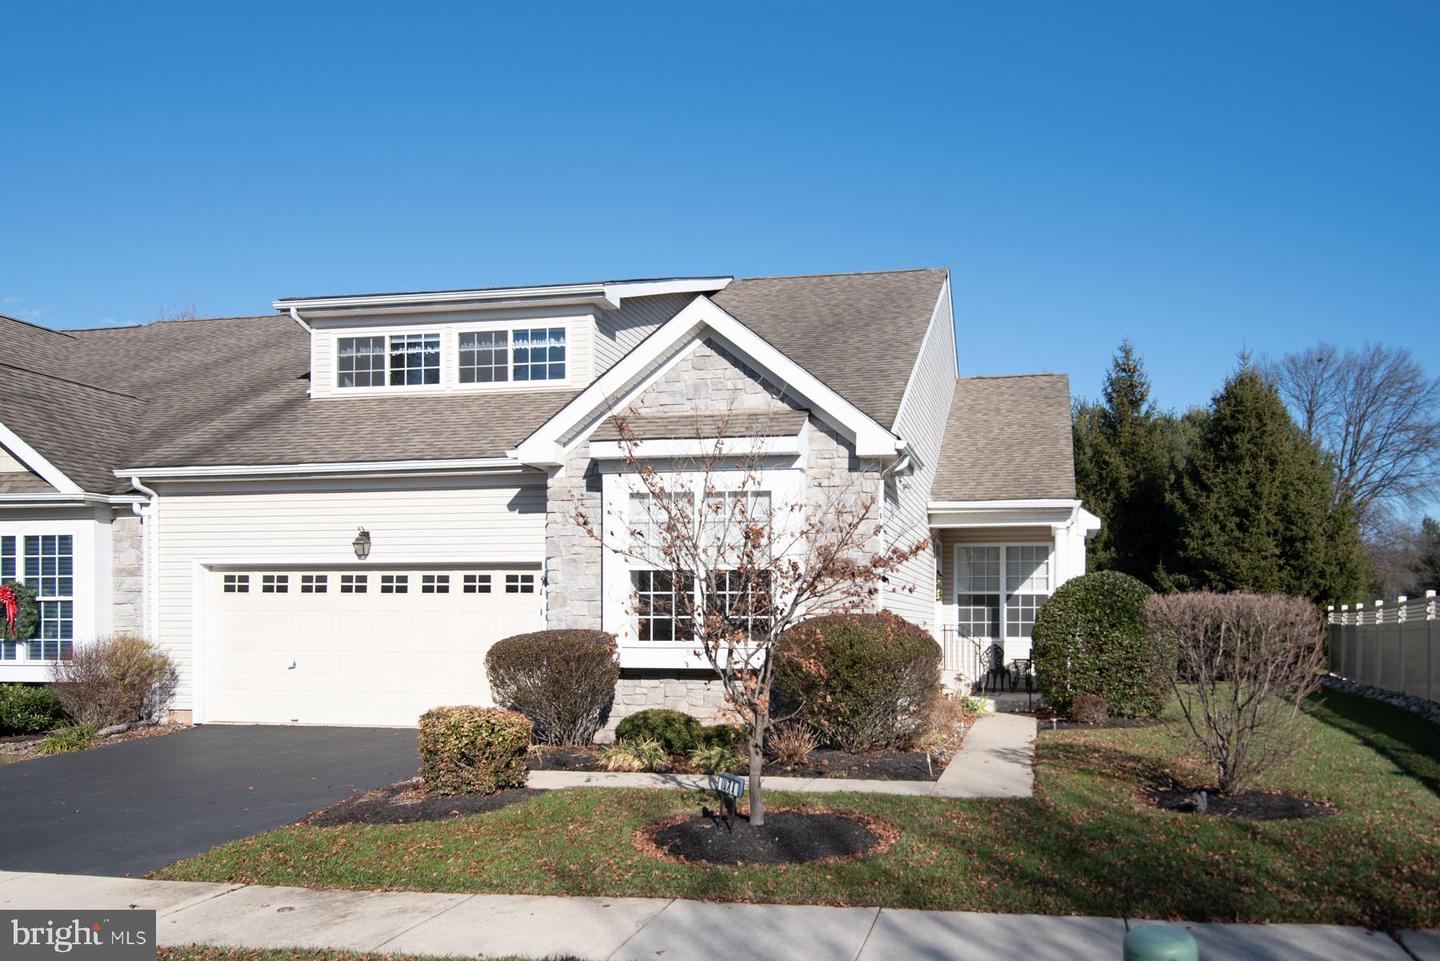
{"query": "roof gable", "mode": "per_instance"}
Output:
(858, 333)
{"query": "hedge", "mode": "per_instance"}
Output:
(860, 680)
(563, 681)
(28, 709)
(677, 732)
(473, 750)
(1089, 638)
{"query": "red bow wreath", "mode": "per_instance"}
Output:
(12, 608)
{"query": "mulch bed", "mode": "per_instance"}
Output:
(787, 837)
(408, 801)
(873, 765)
(1248, 805)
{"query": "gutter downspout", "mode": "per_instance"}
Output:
(148, 513)
(295, 316)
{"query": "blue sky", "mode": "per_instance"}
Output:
(1202, 177)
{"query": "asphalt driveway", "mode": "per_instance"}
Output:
(133, 807)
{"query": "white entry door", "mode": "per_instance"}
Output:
(373, 647)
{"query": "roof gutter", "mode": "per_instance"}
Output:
(52, 499)
(472, 465)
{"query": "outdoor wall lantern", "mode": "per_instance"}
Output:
(361, 544)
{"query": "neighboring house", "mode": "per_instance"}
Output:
(327, 514)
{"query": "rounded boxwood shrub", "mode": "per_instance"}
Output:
(1089, 638)
(473, 750)
(676, 731)
(860, 680)
(563, 681)
(28, 709)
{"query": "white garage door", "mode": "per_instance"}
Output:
(357, 647)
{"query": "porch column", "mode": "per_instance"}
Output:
(1060, 556)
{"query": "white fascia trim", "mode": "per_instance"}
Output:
(31, 458)
(43, 499)
(655, 288)
(924, 343)
(1021, 504)
(498, 465)
(697, 447)
(609, 295)
(543, 448)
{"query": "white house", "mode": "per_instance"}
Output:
(327, 514)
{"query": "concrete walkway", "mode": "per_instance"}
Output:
(996, 760)
(644, 929)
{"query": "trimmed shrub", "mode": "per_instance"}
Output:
(1089, 638)
(676, 731)
(640, 754)
(473, 750)
(1090, 709)
(860, 681)
(563, 681)
(115, 680)
(1247, 663)
(28, 709)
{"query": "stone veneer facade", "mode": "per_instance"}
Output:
(127, 574)
(708, 379)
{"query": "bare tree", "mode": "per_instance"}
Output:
(1374, 411)
(1246, 663)
(729, 564)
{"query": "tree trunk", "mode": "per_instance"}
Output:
(757, 761)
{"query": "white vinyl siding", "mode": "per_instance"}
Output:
(470, 519)
(619, 331)
(924, 410)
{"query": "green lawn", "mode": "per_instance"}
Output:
(1084, 846)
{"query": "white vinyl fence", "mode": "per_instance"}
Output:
(1395, 646)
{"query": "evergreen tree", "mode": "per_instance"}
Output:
(1427, 567)
(1253, 505)
(1125, 455)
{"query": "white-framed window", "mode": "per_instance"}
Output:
(434, 583)
(394, 583)
(314, 583)
(999, 588)
(662, 607)
(538, 353)
(237, 583)
(50, 572)
(477, 583)
(484, 356)
(519, 583)
(393, 360)
(354, 583)
(274, 583)
(9, 650)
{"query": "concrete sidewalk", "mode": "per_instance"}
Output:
(644, 929)
(996, 760)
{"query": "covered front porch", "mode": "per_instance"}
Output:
(997, 562)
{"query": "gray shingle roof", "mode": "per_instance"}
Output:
(232, 390)
(785, 423)
(859, 333)
(1008, 438)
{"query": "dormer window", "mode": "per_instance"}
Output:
(484, 356)
(540, 354)
(399, 360)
